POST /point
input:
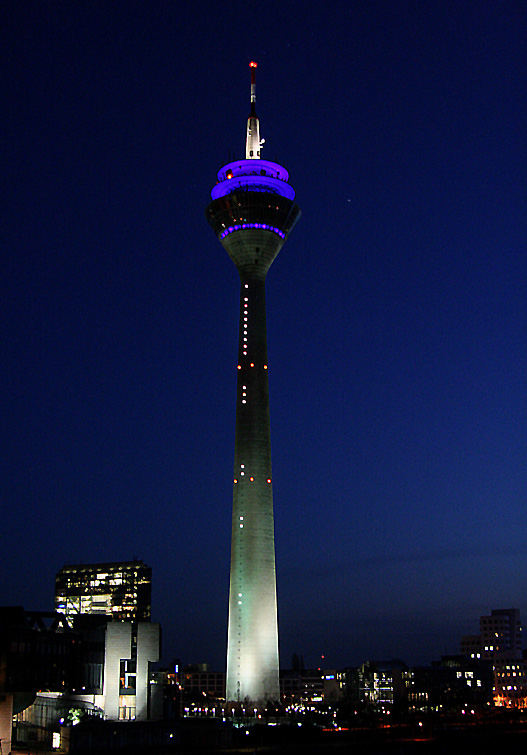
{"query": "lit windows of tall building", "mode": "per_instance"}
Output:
(121, 590)
(501, 633)
(500, 636)
(499, 643)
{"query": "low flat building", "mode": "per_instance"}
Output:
(36, 652)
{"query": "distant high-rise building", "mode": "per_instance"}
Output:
(501, 634)
(499, 644)
(252, 213)
(121, 590)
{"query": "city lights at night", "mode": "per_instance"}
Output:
(395, 320)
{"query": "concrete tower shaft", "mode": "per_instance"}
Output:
(252, 655)
(252, 212)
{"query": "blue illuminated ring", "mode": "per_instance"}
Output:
(243, 226)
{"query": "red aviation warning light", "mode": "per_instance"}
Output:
(253, 64)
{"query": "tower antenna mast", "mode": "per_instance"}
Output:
(252, 142)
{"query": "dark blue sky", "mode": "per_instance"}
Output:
(396, 311)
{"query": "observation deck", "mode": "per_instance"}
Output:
(252, 212)
(253, 175)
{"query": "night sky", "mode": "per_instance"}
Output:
(396, 311)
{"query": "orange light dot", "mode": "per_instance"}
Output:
(253, 64)
(265, 366)
(269, 480)
(252, 364)
(239, 366)
(251, 479)
(235, 480)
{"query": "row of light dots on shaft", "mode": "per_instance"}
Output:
(245, 316)
(251, 479)
(245, 340)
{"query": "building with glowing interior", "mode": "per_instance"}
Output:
(121, 590)
(252, 213)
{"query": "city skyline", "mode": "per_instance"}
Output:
(398, 402)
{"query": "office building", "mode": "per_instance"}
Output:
(121, 590)
(501, 634)
(499, 643)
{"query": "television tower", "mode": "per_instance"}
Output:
(252, 212)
